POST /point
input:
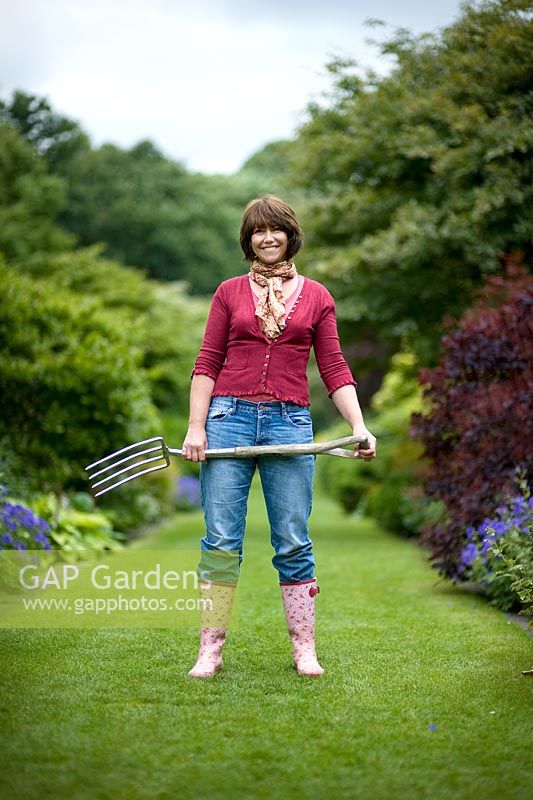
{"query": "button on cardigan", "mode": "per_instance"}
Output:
(241, 360)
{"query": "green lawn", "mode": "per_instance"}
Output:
(112, 713)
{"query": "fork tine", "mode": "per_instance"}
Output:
(129, 478)
(126, 469)
(112, 463)
(123, 450)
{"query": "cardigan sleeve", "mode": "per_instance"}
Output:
(332, 365)
(214, 345)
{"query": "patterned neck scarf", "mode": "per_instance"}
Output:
(271, 303)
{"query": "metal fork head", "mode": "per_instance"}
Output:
(128, 463)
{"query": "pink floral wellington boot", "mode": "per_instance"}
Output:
(218, 601)
(299, 605)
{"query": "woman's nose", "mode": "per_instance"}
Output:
(268, 233)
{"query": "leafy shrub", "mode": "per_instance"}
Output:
(132, 506)
(141, 502)
(515, 553)
(48, 522)
(498, 554)
(340, 480)
(393, 499)
(388, 488)
(70, 379)
(75, 530)
(479, 426)
(163, 323)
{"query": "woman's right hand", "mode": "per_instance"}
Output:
(195, 443)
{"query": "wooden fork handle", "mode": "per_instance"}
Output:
(333, 448)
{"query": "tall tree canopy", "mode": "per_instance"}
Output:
(55, 137)
(150, 212)
(420, 180)
(30, 200)
(146, 209)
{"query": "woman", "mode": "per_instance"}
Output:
(249, 387)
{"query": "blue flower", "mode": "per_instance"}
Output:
(500, 527)
(469, 553)
(188, 488)
(486, 544)
(518, 504)
(15, 515)
(7, 538)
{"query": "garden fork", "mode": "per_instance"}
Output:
(154, 451)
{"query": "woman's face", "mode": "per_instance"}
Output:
(269, 245)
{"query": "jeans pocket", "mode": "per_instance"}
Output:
(299, 418)
(219, 411)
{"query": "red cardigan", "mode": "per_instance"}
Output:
(241, 360)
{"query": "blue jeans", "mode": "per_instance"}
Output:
(287, 483)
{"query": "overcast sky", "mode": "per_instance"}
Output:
(209, 81)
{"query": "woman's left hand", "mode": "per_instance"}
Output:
(370, 453)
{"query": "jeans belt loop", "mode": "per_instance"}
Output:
(233, 409)
(283, 408)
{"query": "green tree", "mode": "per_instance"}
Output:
(30, 200)
(267, 171)
(417, 182)
(54, 136)
(151, 213)
(147, 210)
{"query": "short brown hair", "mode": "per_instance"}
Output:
(273, 212)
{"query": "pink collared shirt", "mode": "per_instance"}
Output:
(241, 360)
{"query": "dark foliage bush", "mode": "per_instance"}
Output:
(479, 427)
